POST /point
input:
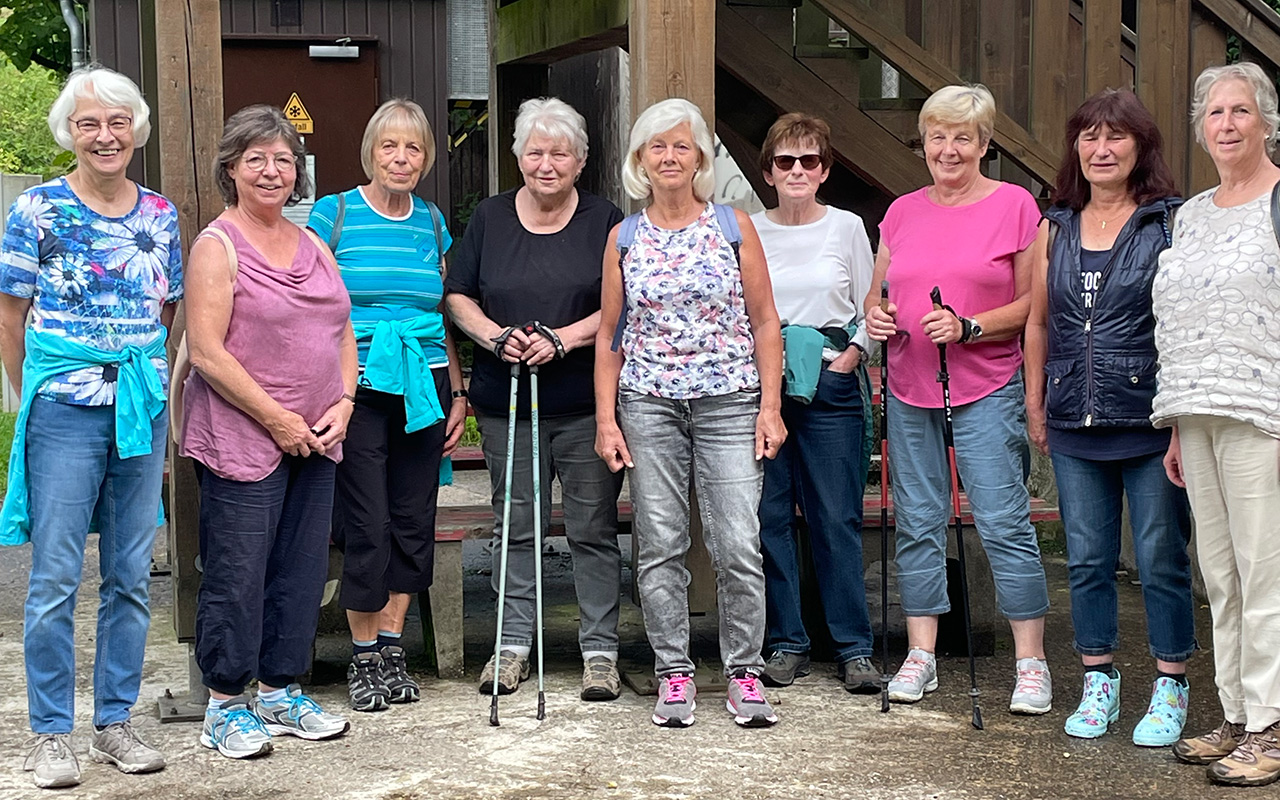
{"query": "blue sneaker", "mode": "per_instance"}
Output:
(1099, 706)
(1162, 725)
(299, 715)
(234, 730)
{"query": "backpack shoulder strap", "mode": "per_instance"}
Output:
(336, 233)
(627, 234)
(1275, 211)
(626, 237)
(233, 263)
(436, 224)
(728, 221)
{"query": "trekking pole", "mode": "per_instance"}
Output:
(506, 537)
(948, 433)
(884, 511)
(537, 528)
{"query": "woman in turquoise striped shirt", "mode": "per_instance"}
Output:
(410, 405)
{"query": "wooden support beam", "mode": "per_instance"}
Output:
(862, 145)
(673, 54)
(1254, 23)
(188, 120)
(510, 85)
(1163, 83)
(1208, 48)
(922, 67)
(1051, 91)
(544, 31)
(1102, 28)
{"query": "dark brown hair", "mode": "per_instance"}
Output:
(796, 128)
(1120, 110)
(259, 124)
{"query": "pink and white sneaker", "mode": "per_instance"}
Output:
(676, 701)
(746, 702)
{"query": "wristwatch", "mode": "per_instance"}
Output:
(970, 330)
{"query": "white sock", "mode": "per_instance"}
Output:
(272, 697)
(587, 655)
(215, 703)
(521, 650)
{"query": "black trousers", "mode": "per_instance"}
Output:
(264, 546)
(384, 511)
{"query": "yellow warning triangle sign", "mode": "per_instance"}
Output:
(296, 112)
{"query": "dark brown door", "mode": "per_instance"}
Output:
(340, 94)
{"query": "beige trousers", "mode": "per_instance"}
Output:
(1232, 471)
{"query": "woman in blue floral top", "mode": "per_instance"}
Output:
(95, 259)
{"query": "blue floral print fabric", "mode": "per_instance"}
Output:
(97, 280)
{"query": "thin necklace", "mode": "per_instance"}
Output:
(1102, 223)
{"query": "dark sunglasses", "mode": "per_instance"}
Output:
(785, 163)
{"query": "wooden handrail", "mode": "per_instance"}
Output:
(1252, 20)
(924, 68)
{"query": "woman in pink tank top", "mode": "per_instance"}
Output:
(265, 412)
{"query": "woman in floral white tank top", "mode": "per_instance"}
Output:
(692, 392)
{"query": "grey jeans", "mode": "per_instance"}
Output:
(589, 493)
(712, 440)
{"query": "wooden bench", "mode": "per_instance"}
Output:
(456, 524)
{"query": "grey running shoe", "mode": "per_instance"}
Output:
(401, 687)
(234, 730)
(299, 715)
(52, 761)
(1033, 693)
(676, 702)
(859, 676)
(783, 668)
(600, 679)
(365, 684)
(917, 675)
(746, 702)
(513, 669)
(119, 744)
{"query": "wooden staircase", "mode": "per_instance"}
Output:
(1040, 59)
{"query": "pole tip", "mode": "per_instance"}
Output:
(493, 713)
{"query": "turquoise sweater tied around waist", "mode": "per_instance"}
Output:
(140, 398)
(399, 362)
(802, 359)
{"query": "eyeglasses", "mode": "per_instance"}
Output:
(785, 163)
(258, 162)
(91, 127)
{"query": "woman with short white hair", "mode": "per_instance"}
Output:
(688, 393)
(96, 260)
(970, 236)
(531, 257)
(1216, 299)
(410, 405)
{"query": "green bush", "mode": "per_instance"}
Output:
(6, 443)
(26, 146)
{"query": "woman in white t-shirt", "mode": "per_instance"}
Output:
(820, 264)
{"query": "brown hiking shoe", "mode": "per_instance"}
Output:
(1254, 762)
(1209, 747)
(511, 671)
(600, 679)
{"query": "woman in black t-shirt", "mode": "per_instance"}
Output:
(533, 254)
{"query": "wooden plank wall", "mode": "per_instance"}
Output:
(1163, 76)
(115, 41)
(413, 55)
(1102, 68)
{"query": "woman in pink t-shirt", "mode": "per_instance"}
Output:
(971, 236)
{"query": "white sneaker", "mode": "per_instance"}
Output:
(1033, 693)
(917, 675)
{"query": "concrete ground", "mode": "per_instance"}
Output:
(829, 744)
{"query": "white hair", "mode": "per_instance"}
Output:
(961, 105)
(110, 89)
(554, 119)
(660, 118)
(1264, 96)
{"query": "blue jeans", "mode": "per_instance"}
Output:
(1089, 494)
(991, 444)
(72, 467)
(822, 467)
(712, 441)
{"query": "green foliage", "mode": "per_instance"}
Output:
(34, 32)
(26, 146)
(6, 443)
(471, 434)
